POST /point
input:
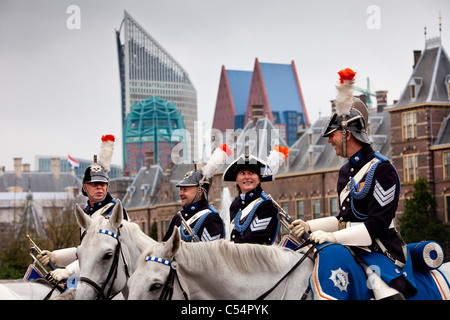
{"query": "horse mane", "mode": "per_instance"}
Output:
(225, 255)
(131, 229)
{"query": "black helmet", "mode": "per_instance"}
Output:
(355, 122)
(196, 178)
(94, 173)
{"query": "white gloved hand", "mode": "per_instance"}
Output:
(320, 237)
(299, 227)
(46, 256)
(60, 274)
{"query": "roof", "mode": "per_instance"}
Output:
(150, 118)
(39, 181)
(443, 137)
(263, 134)
(239, 82)
(429, 76)
(312, 152)
(143, 191)
(281, 87)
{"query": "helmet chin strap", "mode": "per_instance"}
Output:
(197, 196)
(344, 136)
(91, 198)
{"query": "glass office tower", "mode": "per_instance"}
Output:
(147, 69)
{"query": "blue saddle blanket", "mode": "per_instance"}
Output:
(337, 276)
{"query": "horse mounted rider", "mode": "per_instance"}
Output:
(368, 187)
(198, 220)
(253, 215)
(100, 202)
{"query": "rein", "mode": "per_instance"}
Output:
(299, 262)
(112, 271)
(167, 291)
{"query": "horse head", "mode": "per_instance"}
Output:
(102, 255)
(154, 267)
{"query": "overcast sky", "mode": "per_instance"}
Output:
(60, 90)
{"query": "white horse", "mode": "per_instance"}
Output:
(20, 289)
(219, 270)
(223, 270)
(108, 253)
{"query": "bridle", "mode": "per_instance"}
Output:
(112, 274)
(167, 291)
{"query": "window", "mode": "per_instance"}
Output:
(447, 208)
(410, 168)
(414, 87)
(409, 125)
(310, 158)
(447, 165)
(284, 205)
(412, 91)
(300, 209)
(447, 84)
(333, 202)
(316, 208)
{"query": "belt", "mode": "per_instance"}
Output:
(349, 224)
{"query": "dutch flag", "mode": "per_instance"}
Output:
(72, 162)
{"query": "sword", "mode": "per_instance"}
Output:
(285, 219)
(188, 228)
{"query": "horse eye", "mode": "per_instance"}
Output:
(107, 256)
(155, 286)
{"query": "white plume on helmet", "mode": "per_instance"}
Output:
(106, 152)
(218, 158)
(275, 160)
(344, 97)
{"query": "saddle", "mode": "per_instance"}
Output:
(339, 275)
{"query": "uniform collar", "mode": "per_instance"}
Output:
(195, 207)
(354, 159)
(97, 205)
(362, 153)
(251, 195)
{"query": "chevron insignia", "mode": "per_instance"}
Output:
(260, 224)
(207, 237)
(383, 196)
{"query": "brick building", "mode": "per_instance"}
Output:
(420, 127)
(414, 133)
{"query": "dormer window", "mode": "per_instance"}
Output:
(414, 87)
(447, 85)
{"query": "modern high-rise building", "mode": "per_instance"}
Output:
(153, 127)
(147, 69)
(274, 86)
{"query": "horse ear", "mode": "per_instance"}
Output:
(116, 215)
(83, 219)
(174, 242)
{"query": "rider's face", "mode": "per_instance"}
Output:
(335, 139)
(97, 190)
(247, 180)
(187, 195)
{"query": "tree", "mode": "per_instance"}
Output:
(419, 221)
(61, 231)
(62, 227)
(154, 231)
